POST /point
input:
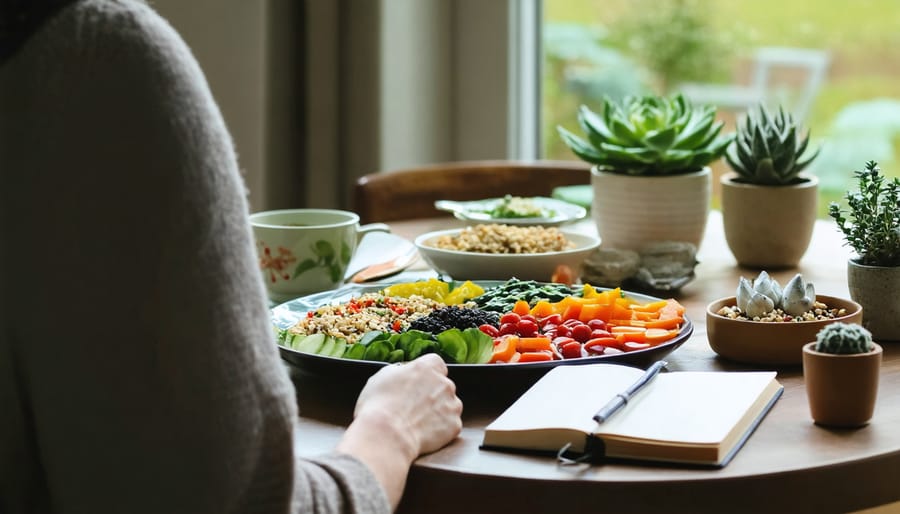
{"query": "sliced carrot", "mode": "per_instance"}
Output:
(533, 344)
(504, 348)
(667, 323)
(543, 355)
(656, 336)
(625, 329)
(626, 333)
(626, 323)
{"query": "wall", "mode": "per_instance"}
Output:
(228, 38)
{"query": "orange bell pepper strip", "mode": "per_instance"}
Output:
(504, 348)
(521, 308)
(648, 307)
(673, 309)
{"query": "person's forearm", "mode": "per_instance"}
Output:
(386, 448)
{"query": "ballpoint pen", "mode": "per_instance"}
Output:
(618, 401)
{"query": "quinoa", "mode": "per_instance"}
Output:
(819, 312)
(371, 311)
(495, 238)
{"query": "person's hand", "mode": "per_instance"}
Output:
(403, 411)
(419, 397)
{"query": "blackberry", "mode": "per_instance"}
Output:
(454, 317)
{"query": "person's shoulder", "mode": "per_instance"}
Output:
(124, 25)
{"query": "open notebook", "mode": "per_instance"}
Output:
(684, 416)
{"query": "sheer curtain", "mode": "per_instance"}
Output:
(319, 92)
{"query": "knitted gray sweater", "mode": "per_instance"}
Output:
(137, 367)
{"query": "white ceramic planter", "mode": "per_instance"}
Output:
(631, 211)
(768, 227)
(877, 289)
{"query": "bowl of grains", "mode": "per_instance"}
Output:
(500, 252)
(774, 338)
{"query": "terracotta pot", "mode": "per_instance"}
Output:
(768, 227)
(877, 289)
(633, 211)
(841, 388)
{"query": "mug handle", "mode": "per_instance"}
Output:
(371, 227)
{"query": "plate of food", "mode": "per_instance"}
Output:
(515, 210)
(501, 335)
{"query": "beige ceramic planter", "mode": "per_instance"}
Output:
(841, 388)
(632, 211)
(877, 289)
(768, 227)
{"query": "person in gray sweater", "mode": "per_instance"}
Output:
(138, 371)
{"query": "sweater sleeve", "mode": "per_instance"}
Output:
(141, 340)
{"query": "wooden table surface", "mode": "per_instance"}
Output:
(788, 465)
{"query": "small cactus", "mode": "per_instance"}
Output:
(844, 338)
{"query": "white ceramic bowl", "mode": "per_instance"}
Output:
(491, 266)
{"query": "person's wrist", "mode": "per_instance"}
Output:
(388, 427)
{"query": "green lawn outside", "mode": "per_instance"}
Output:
(861, 37)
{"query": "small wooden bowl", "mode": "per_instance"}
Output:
(757, 342)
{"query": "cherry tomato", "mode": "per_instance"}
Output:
(509, 317)
(555, 319)
(592, 348)
(597, 332)
(527, 327)
(572, 322)
(490, 330)
(529, 317)
(597, 324)
(508, 328)
(563, 330)
(570, 350)
(581, 333)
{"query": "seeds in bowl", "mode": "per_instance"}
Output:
(819, 312)
(504, 239)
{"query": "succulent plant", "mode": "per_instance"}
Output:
(767, 150)
(764, 294)
(648, 135)
(844, 338)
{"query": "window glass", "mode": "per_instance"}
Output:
(835, 68)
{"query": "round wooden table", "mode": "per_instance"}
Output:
(789, 464)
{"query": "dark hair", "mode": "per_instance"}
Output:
(19, 19)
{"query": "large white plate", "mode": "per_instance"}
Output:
(476, 211)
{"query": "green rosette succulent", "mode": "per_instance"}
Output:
(648, 136)
(768, 150)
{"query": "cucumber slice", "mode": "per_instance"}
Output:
(327, 347)
(311, 343)
(340, 347)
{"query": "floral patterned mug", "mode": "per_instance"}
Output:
(305, 251)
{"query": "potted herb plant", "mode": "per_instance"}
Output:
(840, 369)
(871, 227)
(768, 205)
(651, 178)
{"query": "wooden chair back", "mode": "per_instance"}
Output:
(411, 193)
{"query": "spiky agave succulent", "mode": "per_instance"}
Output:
(648, 135)
(768, 150)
